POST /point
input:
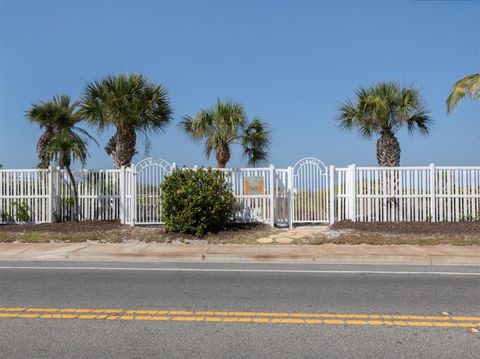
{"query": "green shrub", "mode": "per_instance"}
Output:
(196, 201)
(22, 211)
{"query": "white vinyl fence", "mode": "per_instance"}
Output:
(410, 194)
(98, 195)
(30, 188)
(307, 193)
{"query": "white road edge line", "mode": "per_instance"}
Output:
(145, 269)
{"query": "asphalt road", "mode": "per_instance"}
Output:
(270, 289)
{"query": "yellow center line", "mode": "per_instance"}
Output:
(242, 317)
(237, 314)
(246, 320)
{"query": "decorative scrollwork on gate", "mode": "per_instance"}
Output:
(151, 161)
(309, 161)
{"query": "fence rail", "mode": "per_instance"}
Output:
(308, 192)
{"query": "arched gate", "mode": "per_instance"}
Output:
(147, 195)
(310, 196)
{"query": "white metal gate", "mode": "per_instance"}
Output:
(147, 195)
(310, 194)
(281, 197)
(298, 194)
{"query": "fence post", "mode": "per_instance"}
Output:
(122, 195)
(290, 196)
(272, 195)
(353, 193)
(433, 212)
(50, 195)
(173, 167)
(133, 193)
(57, 178)
(331, 214)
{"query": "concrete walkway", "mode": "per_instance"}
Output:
(328, 254)
(287, 237)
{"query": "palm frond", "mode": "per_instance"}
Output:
(126, 100)
(67, 146)
(469, 86)
(255, 142)
(385, 107)
(198, 127)
(44, 114)
(86, 134)
(420, 122)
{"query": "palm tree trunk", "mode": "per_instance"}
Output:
(388, 150)
(75, 193)
(388, 155)
(121, 147)
(222, 159)
(42, 144)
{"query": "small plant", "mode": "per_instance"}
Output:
(196, 201)
(22, 211)
(57, 218)
(5, 217)
(69, 201)
(470, 217)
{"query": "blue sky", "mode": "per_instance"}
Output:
(292, 63)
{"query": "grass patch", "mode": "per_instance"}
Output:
(108, 233)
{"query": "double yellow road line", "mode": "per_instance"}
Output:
(244, 317)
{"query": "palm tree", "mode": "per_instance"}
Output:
(468, 86)
(383, 109)
(66, 146)
(226, 124)
(52, 116)
(129, 103)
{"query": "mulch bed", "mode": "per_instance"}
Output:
(361, 231)
(98, 226)
(64, 227)
(424, 228)
(384, 227)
